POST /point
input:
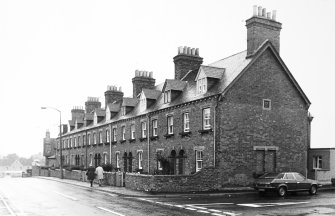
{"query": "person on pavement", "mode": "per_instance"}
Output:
(91, 174)
(100, 174)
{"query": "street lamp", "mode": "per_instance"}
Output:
(60, 139)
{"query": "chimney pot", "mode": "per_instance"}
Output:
(259, 10)
(185, 50)
(268, 15)
(274, 14)
(197, 51)
(264, 12)
(255, 10)
(150, 74)
(180, 50)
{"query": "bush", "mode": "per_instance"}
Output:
(107, 167)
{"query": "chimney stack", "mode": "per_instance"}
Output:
(188, 59)
(91, 104)
(142, 79)
(113, 95)
(260, 27)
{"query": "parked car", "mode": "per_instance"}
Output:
(285, 182)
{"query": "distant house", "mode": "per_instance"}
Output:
(49, 145)
(321, 164)
(14, 170)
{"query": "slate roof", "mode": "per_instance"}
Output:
(100, 112)
(130, 102)
(114, 107)
(212, 72)
(151, 94)
(89, 116)
(177, 85)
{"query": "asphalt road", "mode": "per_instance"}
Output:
(35, 196)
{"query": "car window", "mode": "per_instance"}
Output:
(299, 177)
(280, 176)
(289, 176)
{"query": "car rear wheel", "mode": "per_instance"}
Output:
(282, 191)
(313, 190)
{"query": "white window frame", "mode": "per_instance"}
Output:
(74, 142)
(91, 159)
(154, 127)
(317, 162)
(89, 139)
(123, 111)
(105, 158)
(170, 124)
(140, 160)
(78, 140)
(84, 140)
(123, 132)
(70, 142)
(94, 138)
(117, 158)
(186, 122)
(144, 129)
(114, 134)
(100, 136)
(202, 85)
(167, 96)
(107, 135)
(132, 131)
(206, 118)
(199, 157)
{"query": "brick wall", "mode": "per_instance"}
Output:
(205, 180)
(244, 124)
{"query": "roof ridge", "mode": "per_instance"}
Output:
(229, 56)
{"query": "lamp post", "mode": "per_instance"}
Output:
(60, 139)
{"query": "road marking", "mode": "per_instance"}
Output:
(218, 214)
(198, 207)
(108, 210)
(209, 204)
(202, 211)
(190, 208)
(67, 196)
(7, 206)
(259, 205)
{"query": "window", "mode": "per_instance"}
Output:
(186, 122)
(123, 111)
(91, 159)
(123, 132)
(317, 162)
(94, 138)
(70, 142)
(100, 137)
(289, 176)
(74, 142)
(154, 127)
(78, 140)
(140, 160)
(206, 115)
(132, 131)
(84, 140)
(167, 96)
(299, 177)
(107, 135)
(198, 159)
(144, 129)
(202, 85)
(266, 104)
(117, 155)
(170, 124)
(105, 158)
(143, 103)
(89, 139)
(114, 134)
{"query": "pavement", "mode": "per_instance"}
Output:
(122, 191)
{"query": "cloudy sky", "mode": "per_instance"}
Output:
(57, 53)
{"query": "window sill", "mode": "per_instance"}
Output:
(122, 141)
(206, 131)
(132, 140)
(168, 136)
(154, 138)
(184, 134)
(143, 139)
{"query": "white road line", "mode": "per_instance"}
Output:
(180, 206)
(216, 214)
(209, 204)
(67, 196)
(202, 211)
(7, 206)
(188, 208)
(198, 207)
(108, 210)
(251, 205)
(230, 213)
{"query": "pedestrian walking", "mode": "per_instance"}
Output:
(100, 174)
(91, 174)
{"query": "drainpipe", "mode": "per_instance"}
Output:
(148, 141)
(86, 150)
(214, 131)
(110, 143)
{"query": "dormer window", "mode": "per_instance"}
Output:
(202, 85)
(123, 111)
(167, 96)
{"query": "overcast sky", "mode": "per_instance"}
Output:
(57, 53)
